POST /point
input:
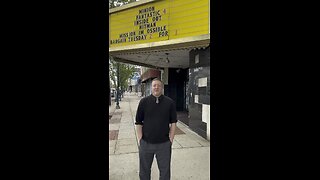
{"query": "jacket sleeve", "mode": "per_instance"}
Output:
(140, 113)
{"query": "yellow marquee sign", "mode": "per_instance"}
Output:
(158, 21)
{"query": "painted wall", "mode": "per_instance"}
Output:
(199, 92)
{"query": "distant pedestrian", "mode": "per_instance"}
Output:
(156, 120)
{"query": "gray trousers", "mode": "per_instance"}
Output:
(163, 156)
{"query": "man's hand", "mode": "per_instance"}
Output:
(171, 139)
(139, 133)
(172, 131)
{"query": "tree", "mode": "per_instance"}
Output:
(112, 72)
(126, 71)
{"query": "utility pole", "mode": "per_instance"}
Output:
(118, 92)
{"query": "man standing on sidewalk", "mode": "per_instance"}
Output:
(156, 120)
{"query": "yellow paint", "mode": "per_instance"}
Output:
(169, 19)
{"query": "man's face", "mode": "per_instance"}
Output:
(156, 88)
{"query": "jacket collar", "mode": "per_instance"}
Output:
(154, 98)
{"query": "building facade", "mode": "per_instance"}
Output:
(171, 40)
(134, 84)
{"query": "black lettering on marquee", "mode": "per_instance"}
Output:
(132, 33)
(138, 38)
(117, 41)
(142, 21)
(123, 35)
(146, 10)
(150, 14)
(157, 29)
(156, 18)
(163, 33)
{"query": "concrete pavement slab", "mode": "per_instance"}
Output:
(124, 167)
(187, 164)
(126, 135)
(115, 126)
(113, 134)
(199, 139)
(123, 149)
(112, 146)
(116, 116)
(193, 136)
(185, 141)
(190, 163)
(131, 141)
(130, 132)
(178, 131)
(126, 115)
(127, 126)
(183, 127)
(114, 120)
(123, 121)
(175, 144)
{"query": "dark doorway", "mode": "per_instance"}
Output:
(177, 90)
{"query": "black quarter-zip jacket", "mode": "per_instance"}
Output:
(156, 117)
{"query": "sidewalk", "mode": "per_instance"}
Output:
(190, 152)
